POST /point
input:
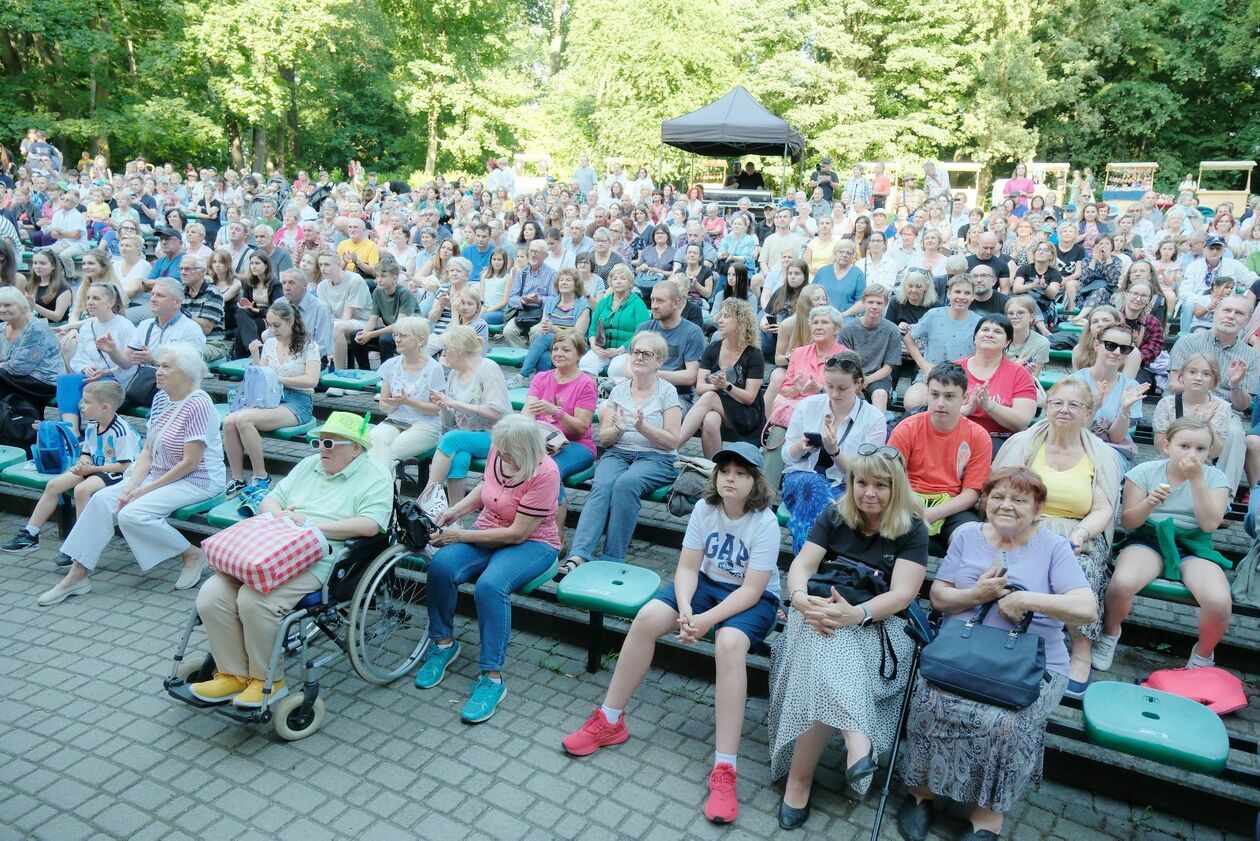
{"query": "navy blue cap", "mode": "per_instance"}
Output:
(742, 450)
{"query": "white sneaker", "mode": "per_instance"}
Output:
(336, 392)
(189, 577)
(1103, 652)
(1199, 662)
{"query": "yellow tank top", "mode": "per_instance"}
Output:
(1069, 493)
(821, 253)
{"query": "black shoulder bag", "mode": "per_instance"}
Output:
(143, 386)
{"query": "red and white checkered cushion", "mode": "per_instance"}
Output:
(265, 551)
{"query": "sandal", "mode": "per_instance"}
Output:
(571, 563)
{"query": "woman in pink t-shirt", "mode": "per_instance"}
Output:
(562, 401)
(1001, 394)
(513, 541)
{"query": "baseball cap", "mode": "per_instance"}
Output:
(1215, 242)
(826, 159)
(743, 451)
(163, 232)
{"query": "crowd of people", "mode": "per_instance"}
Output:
(778, 335)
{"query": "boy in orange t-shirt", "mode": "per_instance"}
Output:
(948, 457)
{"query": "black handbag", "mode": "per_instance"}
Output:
(142, 388)
(1003, 668)
(17, 421)
(855, 581)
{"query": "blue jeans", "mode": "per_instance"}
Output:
(495, 317)
(462, 447)
(572, 458)
(612, 509)
(69, 393)
(538, 358)
(500, 571)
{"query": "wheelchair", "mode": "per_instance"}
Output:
(372, 609)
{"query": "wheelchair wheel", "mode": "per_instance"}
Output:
(389, 625)
(289, 722)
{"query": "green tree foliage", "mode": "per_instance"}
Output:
(440, 85)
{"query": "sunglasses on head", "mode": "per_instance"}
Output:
(328, 444)
(843, 363)
(879, 449)
(1112, 347)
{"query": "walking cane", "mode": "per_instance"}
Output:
(920, 630)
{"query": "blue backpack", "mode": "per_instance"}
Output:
(260, 389)
(56, 449)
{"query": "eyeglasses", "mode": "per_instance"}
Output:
(328, 444)
(843, 363)
(1114, 347)
(639, 353)
(1072, 406)
(883, 450)
(1139, 296)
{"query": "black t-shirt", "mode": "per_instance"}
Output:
(835, 536)
(828, 181)
(1028, 273)
(996, 304)
(898, 312)
(1000, 265)
(751, 365)
(750, 181)
(1068, 260)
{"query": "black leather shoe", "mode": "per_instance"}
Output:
(790, 818)
(863, 768)
(978, 835)
(914, 819)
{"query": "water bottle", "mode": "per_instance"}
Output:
(231, 397)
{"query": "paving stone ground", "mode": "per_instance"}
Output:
(91, 747)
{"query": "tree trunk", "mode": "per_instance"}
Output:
(557, 34)
(11, 55)
(290, 149)
(430, 153)
(260, 149)
(234, 135)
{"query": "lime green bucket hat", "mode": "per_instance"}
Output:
(349, 426)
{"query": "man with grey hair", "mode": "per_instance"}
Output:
(843, 281)
(316, 316)
(168, 326)
(987, 254)
(203, 304)
(281, 258)
(694, 236)
(935, 181)
(532, 286)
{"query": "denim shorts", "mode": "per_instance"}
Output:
(756, 622)
(301, 404)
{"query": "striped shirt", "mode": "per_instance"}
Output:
(192, 419)
(1205, 342)
(117, 443)
(502, 500)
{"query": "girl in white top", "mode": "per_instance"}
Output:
(412, 425)
(295, 356)
(131, 267)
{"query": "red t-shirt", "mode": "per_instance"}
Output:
(537, 496)
(1010, 381)
(943, 462)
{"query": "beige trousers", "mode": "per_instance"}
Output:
(241, 623)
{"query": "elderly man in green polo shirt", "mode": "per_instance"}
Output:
(341, 492)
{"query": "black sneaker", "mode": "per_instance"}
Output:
(22, 542)
(63, 560)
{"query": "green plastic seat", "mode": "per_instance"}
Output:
(141, 411)
(1155, 725)
(580, 478)
(224, 514)
(10, 456)
(517, 396)
(292, 433)
(1068, 327)
(1049, 378)
(1061, 355)
(659, 495)
(190, 511)
(232, 368)
(351, 378)
(1168, 591)
(495, 329)
(23, 473)
(541, 579)
(782, 514)
(608, 588)
(511, 356)
(477, 465)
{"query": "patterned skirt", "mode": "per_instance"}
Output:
(1094, 557)
(835, 681)
(973, 752)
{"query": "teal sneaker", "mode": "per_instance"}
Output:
(433, 669)
(486, 695)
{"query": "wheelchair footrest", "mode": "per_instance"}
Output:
(181, 691)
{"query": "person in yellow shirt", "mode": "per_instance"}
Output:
(357, 252)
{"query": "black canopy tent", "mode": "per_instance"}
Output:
(735, 125)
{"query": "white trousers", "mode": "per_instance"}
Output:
(142, 522)
(1234, 455)
(389, 443)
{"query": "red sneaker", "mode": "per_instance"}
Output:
(723, 805)
(596, 733)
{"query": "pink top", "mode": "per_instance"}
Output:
(537, 496)
(578, 393)
(805, 360)
(1009, 381)
(1019, 185)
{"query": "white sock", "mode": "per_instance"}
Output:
(448, 645)
(498, 679)
(612, 715)
(719, 758)
(32, 530)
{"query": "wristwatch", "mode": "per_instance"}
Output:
(728, 388)
(868, 618)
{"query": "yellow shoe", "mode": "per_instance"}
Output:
(252, 696)
(220, 689)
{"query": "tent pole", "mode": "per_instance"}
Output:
(783, 161)
(660, 167)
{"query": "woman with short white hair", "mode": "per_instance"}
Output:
(30, 360)
(181, 464)
(513, 541)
